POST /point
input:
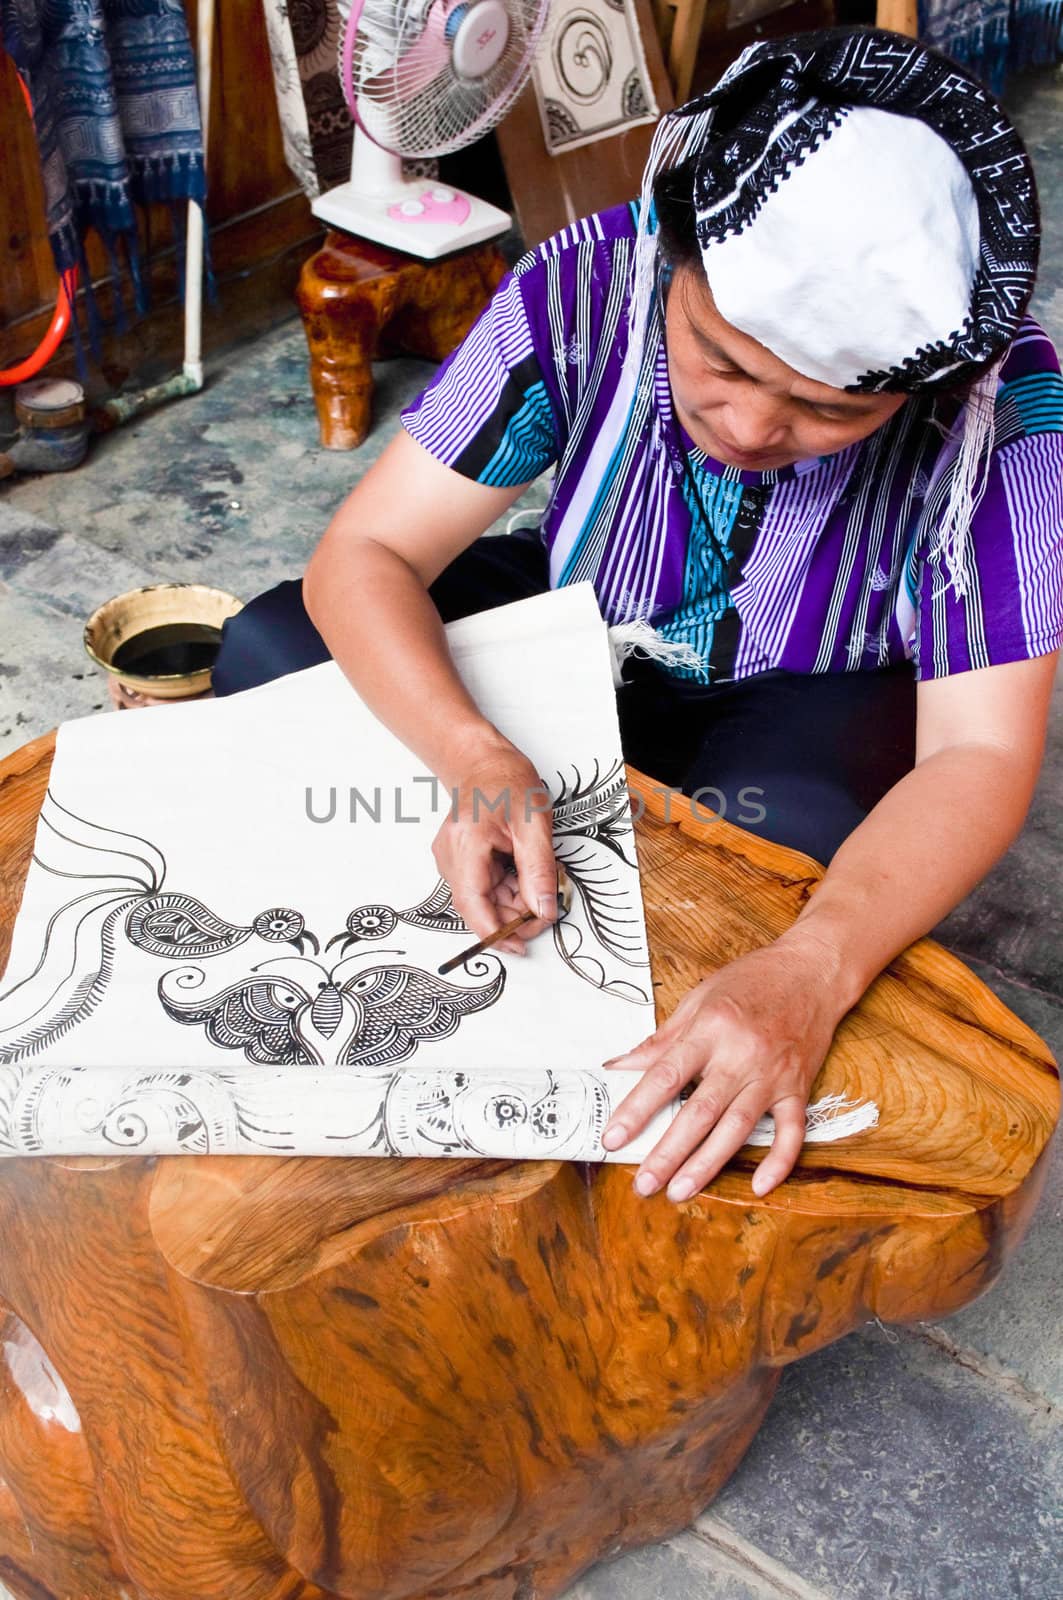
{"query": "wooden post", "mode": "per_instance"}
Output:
(900, 15)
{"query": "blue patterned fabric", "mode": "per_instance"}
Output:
(714, 502)
(527, 433)
(1038, 399)
(994, 37)
(113, 86)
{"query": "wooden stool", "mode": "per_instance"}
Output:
(233, 1376)
(360, 301)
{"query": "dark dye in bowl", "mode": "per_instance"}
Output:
(174, 647)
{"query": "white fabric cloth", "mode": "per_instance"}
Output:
(200, 894)
(866, 252)
(231, 928)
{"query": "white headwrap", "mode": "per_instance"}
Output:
(864, 210)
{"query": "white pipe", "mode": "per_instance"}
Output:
(193, 363)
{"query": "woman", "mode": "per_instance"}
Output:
(803, 429)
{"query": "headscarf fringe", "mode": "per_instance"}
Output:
(969, 477)
(678, 136)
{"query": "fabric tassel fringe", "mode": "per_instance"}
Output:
(833, 1117)
(969, 477)
(678, 136)
(639, 637)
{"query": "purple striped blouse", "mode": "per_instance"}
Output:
(825, 566)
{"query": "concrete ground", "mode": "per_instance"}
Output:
(921, 1463)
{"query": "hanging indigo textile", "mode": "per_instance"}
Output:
(113, 86)
(994, 37)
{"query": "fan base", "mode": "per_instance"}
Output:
(438, 231)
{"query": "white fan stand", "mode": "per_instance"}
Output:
(422, 218)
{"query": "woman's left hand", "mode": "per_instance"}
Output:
(755, 1034)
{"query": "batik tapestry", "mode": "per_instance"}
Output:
(113, 87)
(994, 37)
(590, 76)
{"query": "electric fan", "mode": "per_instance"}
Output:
(423, 78)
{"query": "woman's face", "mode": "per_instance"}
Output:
(741, 404)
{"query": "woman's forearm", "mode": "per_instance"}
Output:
(366, 591)
(923, 847)
(376, 616)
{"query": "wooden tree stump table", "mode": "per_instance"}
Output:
(361, 300)
(229, 1378)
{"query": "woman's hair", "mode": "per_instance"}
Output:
(673, 204)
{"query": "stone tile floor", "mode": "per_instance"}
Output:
(921, 1463)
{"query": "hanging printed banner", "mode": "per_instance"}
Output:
(304, 42)
(591, 77)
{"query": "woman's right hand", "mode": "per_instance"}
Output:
(495, 848)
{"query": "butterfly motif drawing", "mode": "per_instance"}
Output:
(372, 1020)
(294, 1009)
(198, 963)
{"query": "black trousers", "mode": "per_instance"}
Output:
(799, 758)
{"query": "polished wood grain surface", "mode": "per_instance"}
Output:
(411, 1380)
(360, 300)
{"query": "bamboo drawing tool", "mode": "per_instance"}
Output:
(564, 902)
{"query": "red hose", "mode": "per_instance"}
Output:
(60, 322)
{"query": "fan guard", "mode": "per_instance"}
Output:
(427, 77)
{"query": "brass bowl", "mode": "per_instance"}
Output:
(128, 615)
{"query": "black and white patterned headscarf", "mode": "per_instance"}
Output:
(865, 210)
